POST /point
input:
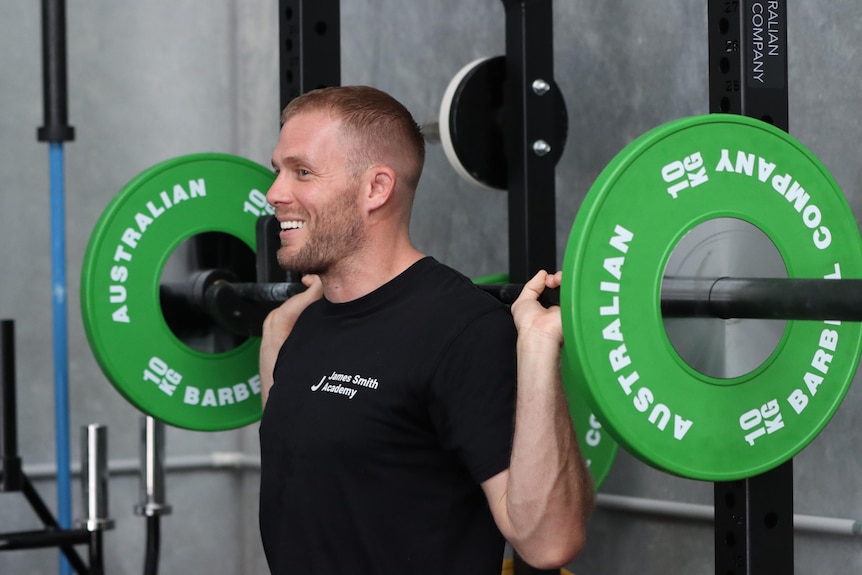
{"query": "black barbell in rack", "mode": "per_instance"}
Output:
(241, 307)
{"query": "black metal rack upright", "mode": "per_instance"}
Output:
(748, 76)
(530, 117)
(309, 46)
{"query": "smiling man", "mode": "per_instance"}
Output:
(411, 421)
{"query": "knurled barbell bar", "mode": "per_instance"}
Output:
(230, 303)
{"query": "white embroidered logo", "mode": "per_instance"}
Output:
(333, 384)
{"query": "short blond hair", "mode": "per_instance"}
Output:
(379, 122)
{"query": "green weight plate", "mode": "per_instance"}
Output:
(597, 448)
(660, 187)
(139, 354)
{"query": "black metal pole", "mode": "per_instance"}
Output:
(268, 243)
(55, 131)
(10, 463)
(309, 46)
(45, 538)
(723, 298)
(97, 553)
(530, 135)
(748, 76)
(151, 554)
(56, 128)
(763, 298)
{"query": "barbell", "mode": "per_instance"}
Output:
(241, 306)
(647, 287)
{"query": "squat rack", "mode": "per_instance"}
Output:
(754, 516)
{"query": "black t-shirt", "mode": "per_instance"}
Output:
(386, 414)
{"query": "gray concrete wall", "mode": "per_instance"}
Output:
(149, 81)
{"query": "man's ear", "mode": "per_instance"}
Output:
(380, 186)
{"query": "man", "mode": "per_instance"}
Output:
(393, 439)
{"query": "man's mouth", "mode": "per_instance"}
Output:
(292, 225)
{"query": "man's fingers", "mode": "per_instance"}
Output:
(554, 280)
(536, 285)
(542, 281)
(310, 279)
(313, 293)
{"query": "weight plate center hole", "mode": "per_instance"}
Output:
(206, 255)
(724, 247)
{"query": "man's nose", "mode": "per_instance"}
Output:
(279, 192)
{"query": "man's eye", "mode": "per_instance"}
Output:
(303, 172)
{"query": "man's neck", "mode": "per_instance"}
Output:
(357, 278)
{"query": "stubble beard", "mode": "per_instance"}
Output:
(335, 236)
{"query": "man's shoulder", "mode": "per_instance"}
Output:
(442, 282)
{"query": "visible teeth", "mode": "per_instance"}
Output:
(292, 225)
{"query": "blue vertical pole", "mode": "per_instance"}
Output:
(55, 132)
(61, 348)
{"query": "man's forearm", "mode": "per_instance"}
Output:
(549, 493)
